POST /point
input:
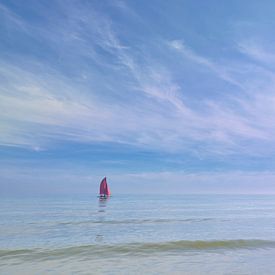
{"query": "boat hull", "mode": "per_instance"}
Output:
(103, 196)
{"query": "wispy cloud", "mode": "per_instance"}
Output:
(103, 76)
(220, 70)
(101, 89)
(11, 19)
(251, 113)
(256, 51)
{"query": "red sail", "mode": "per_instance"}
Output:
(108, 192)
(104, 189)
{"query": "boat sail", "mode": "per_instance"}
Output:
(104, 190)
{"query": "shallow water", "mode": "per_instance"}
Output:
(138, 235)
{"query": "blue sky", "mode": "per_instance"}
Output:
(159, 96)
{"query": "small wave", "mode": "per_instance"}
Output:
(135, 221)
(95, 250)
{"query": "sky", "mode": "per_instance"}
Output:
(170, 97)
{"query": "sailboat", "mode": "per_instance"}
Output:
(104, 191)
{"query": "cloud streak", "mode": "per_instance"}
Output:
(104, 90)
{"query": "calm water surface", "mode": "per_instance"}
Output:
(138, 235)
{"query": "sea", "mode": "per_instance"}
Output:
(138, 234)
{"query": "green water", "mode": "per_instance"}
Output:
(138, 235)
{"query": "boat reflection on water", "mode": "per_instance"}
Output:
(102, 204)
(102, 214)
(104, 196)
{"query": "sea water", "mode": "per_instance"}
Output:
(138, 234)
